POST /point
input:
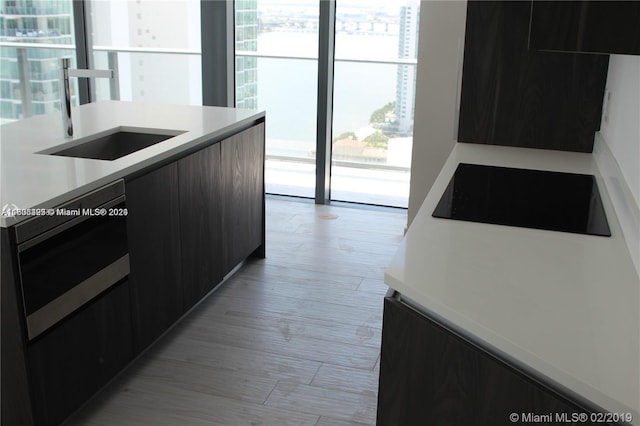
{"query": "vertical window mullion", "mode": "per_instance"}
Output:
(326, 56)
(82, 45)
(218, 53)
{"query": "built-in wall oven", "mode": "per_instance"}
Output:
(71, 254)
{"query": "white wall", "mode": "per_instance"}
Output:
(442, 27)
(620, 125)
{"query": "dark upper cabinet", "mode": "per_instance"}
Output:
(199, 177)
(512, 95)
(243, 196)
(154, 251)
(586, 26)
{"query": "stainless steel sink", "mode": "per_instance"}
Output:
(114, 145)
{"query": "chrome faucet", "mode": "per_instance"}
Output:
(65, 94)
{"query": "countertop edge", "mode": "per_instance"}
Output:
(167, 155)
(395, 278)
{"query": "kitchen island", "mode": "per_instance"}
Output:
(33, 180)
(100, 257)
(492, 324)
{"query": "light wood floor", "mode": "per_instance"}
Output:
(291, 339)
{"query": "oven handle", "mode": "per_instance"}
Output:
(66, 225)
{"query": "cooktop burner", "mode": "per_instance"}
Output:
(537, 199)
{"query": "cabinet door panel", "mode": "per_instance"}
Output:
(200, 223)
(80, 355)
(519, 97)
(428, 375)
(243, 195)
(586, 26)
(154, 253)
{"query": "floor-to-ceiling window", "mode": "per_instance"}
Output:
(276, 70)
(154, 47)
(374, 79)
(373, 94)
(34, 36)
(156, 50)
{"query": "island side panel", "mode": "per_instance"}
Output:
(243, 195)
(16, 404)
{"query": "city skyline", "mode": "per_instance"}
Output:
(29, 77)
(26, 22)
(376, 46)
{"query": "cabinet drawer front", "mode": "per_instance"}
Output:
(72, 361)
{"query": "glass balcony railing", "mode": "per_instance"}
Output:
(357, 108)
(34, 33)
(37, 93)
(286, 87)
(30, 74)
(365, 169)
(148, 74)
(145, 66)
(42, 9)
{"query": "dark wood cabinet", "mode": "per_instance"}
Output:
(431, 376)
(586, 26)
(75, 359)
(15, 404)
(243, 196)
(199, 177)
(515, 96)
(153, 223)
(189, 222)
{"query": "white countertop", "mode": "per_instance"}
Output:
(564, 305)
(32, 180)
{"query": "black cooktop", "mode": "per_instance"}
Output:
(554, 201)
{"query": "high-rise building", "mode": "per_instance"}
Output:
(247, 27)
(406, 80)
(29, 76)
(149, 24)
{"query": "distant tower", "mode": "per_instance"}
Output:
(406, 80)
(29, 77)
(154, 24)
(247, 67)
